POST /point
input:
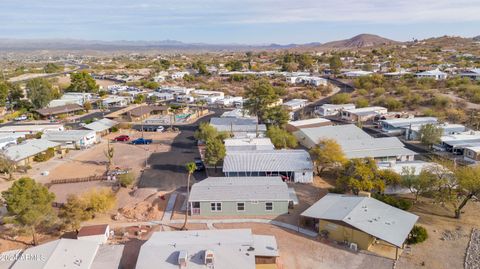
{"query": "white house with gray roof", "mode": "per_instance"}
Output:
(73, 139)
(200, 249)
(435, 74)
(233, 196)
(291, 164)
(24, 153)
(356, 143)
(361, 221)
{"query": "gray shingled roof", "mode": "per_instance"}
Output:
(366, 214)
(240, 189)
(28, 148)
(267, 160)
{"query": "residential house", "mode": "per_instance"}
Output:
(101, 127)
(362, 114)
(230, 101)
(332, 110)
(239, 196)
(71, 98)
(435, 74)
(248, 144)
(456, 143)
(142, 112)
(293, 126)
(178, 75)
(24, 153)
(413, 132)
(472, 74)
(64, 253)
(357, 73)
(59, 111)
(398, 126)
(72, 139)
(362, 222)
(356, 143)
(295, 104)
(208, 96)
(116, 101)
(30, 129)
(200, 249)
(293, 165)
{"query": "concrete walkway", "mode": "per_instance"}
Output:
(170, 206)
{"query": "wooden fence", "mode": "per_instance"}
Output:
(77, 180)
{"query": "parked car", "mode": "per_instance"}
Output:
(142, 141)
(199, 164)
(122, 138)
(21, 118)
(160, 129)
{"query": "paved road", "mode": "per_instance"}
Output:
(167, 169)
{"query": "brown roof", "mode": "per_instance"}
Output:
(145, 110)
(92, 230)
(49, 111)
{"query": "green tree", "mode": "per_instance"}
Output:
(206, 131)
(99, 200)
(29, 205)
(305, 61)
(430, 134)
(335, 64)
(82, 82)
(126, 180)
(341, 98)
(467, 182)
(151, 85)
(74, 212)
(214, 152)
(40, 92)
(201, 67)
(361, 102)
(281, 138)
(327, 154)
(276, 115)
(417, 184)
(259, 97)
(87, 106)
(234, 65)
(4, 90)
(190, 167)
(360, 175)
(7, 166)
(51, 68)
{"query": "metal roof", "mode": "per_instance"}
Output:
(67, 135)
(308, 121)
(354, 141)
(237, 124)
(240, 189)
(28, 148)
(234, 144)
(232, 248)
(68, 108)
(366, 214)
(101, 125)
(403, 122)
(267, 161)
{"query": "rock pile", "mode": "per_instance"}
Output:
(472, 259)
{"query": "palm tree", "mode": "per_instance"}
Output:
(191, 167)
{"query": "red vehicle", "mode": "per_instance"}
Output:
(122, 138)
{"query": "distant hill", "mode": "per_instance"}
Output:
(477, 38)
(359, 41)
(123, 45)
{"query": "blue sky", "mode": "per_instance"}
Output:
(237, 21)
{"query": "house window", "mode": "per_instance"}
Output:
(268, 206)
(240, 206)
(215, 207)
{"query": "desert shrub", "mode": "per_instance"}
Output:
(361, 102)
(341, 98)
(114, 129)
(45, 156)
(126, 180)
(417, 235)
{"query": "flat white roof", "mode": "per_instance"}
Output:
(257, 141)
(308, 121)
(240, 189)
(366, 214)
(366, 109)
(401, 122)
(68, 135)
(28, 148)
(295, 102)
(31, 128)
(101, 125)
(232, 248)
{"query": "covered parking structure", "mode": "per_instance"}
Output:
(291, 165)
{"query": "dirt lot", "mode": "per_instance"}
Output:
(448, 237)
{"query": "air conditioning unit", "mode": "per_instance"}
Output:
(209, 258)
(354, 246)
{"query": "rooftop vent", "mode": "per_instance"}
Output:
(182, 258)
(209, 258)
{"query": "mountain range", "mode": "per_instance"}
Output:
(356, 42)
